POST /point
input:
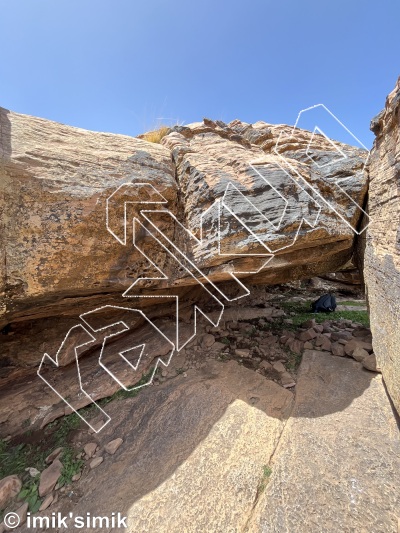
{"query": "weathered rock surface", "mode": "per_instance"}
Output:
(337, 466)
(262, 206)
(59, 260)
(55, 179)
(193, 455)
(382, 253)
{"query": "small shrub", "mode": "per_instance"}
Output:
(156, 135)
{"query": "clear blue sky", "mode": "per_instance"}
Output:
(120, 65)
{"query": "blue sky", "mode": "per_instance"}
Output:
(122, 65)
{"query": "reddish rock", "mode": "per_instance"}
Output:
(337, 349)
(54, 455)
(307, 335)
(9, 488)
(49, 477)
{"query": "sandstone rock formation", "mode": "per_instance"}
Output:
(260, 203)
(274, 209)
(382, 254)
(337, 467)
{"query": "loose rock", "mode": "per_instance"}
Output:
(47, 502)
(10, 486)
(49, 477)
(113, 446)
(96, 462)
(54, 454)
(90, 449)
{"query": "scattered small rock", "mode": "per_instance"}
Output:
(90, 449)
(243, 352)
(49, 477)
(47, 502)
(326, 344)
(287, 380)
(218, 346)
(359, 354)
(265, 365)
(307, 335)
(22, 512)
(113, 446)
(337, 349)
(207, 341)
(33, 472)
(9, 488)
(279, 367)
(96, 462)
(369, 363)
(77, 476)
(54, 455)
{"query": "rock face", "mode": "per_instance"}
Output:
(271, 209)
(382, 254)
(54, 182)
(328, 473)
(273, 197)
(194, 452)
(226, 450)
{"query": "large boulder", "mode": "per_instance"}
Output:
(253, 190)
(258, 199)
(382, 254)
(54, 183)
(217, 207)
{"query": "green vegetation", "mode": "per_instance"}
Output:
(352, 302)
(303, 312)
(71, 466)
(30, 493)
(15, 460)
(264, 480)
(294, 360)
(225, 340)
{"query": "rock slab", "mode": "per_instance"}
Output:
(337, 466)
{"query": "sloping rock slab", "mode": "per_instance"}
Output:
(193, 452)
(337, 467)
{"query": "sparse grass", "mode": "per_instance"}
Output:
(71, 466)
(352, 302)
(156, 135)
(65, 426)
(225, 340)
(15, 460)
(26, 423)
(267, 471)
(294, 360)
(303, 312)
(30, 494)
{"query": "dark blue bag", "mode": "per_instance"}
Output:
(324, 304)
